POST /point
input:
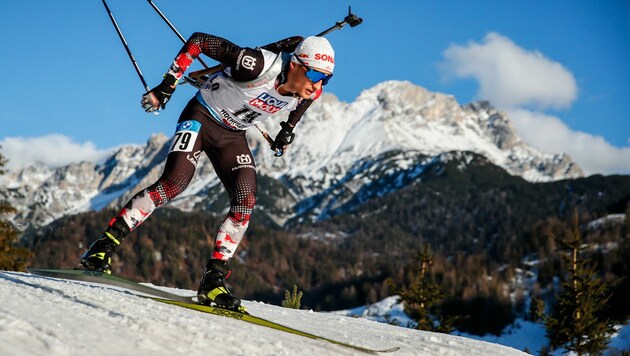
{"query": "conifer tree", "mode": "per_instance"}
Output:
(11, 257)
(576, 323)
(292, 300)
(423, 298)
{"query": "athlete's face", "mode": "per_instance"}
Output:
(298, 83)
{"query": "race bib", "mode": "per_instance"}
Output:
(185, 136)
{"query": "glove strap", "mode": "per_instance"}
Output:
(170, 79)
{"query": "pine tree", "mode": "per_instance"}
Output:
(292, 300)
(11, 257)
(575, 322)
(424, 297)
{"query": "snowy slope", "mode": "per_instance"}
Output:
(44, 316)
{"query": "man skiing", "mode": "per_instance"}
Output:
(257, 83)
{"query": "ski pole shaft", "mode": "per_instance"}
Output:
(270, 140)
(352, 20)
(265, 134)
(337, 26)
(122, 38)
(173, 28)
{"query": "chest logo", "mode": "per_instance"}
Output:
(268, 103)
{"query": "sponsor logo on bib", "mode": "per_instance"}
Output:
(268, 103)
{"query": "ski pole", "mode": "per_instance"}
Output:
(133, 60)
(122, 38)
(278, 151)
(193, 77)
(352, 20)
(173, 28)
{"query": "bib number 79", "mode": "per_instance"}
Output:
(185, 136)
(181, 141)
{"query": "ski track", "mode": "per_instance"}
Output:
(46, 316)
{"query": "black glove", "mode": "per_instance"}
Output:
(162, 93)
(284, 138)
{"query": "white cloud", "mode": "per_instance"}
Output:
(510, 76)
(517, 80)
(51, 150)
(548, 133)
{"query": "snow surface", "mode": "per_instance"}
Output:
(45, 316)
(608, 219)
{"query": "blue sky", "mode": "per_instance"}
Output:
(560, 69)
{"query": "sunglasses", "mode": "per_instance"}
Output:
(313, 75)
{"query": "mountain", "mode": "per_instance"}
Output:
(44, 316)
(344, 154)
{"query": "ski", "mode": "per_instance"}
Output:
(270, 324)
(108, 279)
(161, 296)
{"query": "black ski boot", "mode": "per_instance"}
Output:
(212, 288)
(99, 256)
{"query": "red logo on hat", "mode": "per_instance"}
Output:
(324, 57)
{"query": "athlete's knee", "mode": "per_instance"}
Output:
(166, 189)
(244, 202)
(249, 200)
(242, 206)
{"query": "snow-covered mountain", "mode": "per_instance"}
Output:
(44, 316)
(392, 130)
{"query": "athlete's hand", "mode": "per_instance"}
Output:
(283, 139)
(157, 97)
